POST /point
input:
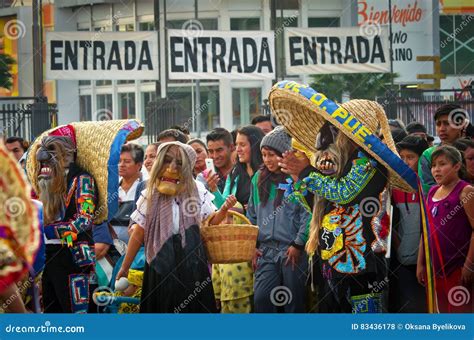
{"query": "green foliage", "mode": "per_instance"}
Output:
(6, 63)
(358, 85)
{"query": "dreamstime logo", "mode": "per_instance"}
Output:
(103, 296)
(15, 207)
(458, 118)
(103, 115)
(370, 29)
(14, 29)
(369, 207)
(281, 296)
(458, 296)
(191, 206)
(192, 28)
(280, 117)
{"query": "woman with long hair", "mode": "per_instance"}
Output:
(167, 221)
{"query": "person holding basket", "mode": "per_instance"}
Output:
(167, 220)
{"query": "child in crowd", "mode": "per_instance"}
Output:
(281, 263)
(451, 211)
(406, 294)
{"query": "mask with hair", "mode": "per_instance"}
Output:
(173, 180)
(54, 156)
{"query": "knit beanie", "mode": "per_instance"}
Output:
(277, 139)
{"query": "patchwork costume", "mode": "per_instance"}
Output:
(355, 223)
(90, 169)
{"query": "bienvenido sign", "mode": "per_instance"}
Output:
(412, 28)
(335, 50)
(101, 55)
(216, 55)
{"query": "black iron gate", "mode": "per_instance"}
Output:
(26, 117)
(160, 115)
(420, 105)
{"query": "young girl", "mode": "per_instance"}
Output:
(451, 206)
(281, 263)
(167, 220)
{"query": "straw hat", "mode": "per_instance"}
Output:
(19, 224)
(98, 147)
(303, 112)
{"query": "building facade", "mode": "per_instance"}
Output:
(227, 103)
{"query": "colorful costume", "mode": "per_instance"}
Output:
(19, 225)
(71, 177)
(354, 225)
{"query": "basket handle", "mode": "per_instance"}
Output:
(239, 215)
(244, 218)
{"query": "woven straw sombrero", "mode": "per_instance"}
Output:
(19, 224)
(303, 112)
(98, 147)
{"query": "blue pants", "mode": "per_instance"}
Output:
(277, 286)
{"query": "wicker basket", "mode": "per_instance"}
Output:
(230, 243)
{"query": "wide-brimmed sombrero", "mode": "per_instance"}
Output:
(98, 146)
(19, 224)
(303, 111)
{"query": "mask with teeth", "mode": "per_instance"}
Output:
(169, 183)
(326, 154)
(55, 155)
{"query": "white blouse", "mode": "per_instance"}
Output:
(205, 205)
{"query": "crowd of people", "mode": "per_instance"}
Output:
(153, 238)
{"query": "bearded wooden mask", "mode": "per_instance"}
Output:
(55, 155)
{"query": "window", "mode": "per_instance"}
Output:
(207, 24)
(246, 104)
(126, 105)
(104, 107)
(147, 97)
(85, 108)
(125, 28)
(456, 44)
(287, 4)
(186, 107)
(146, 26)
(245, 24)
(324, 22)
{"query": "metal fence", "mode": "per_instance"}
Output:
(26, 117)
(159, 116)
(420, 105)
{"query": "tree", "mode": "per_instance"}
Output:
(357, 85)
(6, 63)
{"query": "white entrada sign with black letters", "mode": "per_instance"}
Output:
(102, 55)
(221, 55)
(336, 50)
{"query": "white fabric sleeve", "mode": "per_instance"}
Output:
(206, 198)
(139, 215)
